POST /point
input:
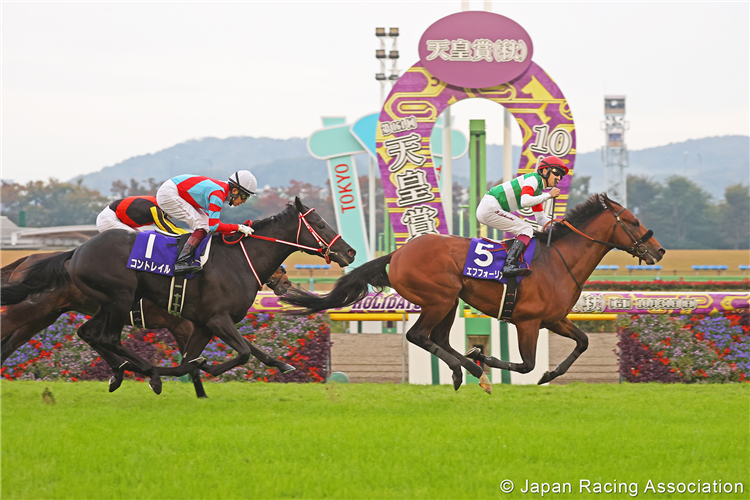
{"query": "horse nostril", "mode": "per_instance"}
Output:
(662, 252)
(352, 252)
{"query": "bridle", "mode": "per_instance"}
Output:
(323, 248)
(638, 249)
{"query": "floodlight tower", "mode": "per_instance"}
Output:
(615, 153)
(381, 54)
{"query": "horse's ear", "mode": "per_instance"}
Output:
(603, 200)
(299, 206)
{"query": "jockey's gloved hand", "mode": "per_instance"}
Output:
(246, 230)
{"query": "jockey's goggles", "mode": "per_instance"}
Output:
(559, 172)
(244, 193)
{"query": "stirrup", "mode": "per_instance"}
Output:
(517, 271)
(186, 269)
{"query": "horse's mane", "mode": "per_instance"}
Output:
(289, 214)
(582, 213)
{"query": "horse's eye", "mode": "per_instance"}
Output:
(322, 225)
(636, 224)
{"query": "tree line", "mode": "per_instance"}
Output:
(680, 212)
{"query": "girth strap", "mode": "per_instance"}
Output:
(177, 295)
(509, 300)
(137, 319)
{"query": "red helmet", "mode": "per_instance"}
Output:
(551, 162)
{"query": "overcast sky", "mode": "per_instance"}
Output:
(87, 85)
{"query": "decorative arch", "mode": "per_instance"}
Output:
(403, 140)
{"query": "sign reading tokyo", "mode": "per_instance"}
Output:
(476, 49)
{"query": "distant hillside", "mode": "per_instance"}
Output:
(273, 161)
(713, 162)
(722, 161)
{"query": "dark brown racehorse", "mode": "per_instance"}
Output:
(21, 322)
(215, 300)
(428, 271)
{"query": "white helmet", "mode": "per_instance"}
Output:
(245, 181)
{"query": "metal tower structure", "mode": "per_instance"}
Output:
(615, 153)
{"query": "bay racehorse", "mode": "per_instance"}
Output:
(428, 271)
(215, 300)
(21, 322)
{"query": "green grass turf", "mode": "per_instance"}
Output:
(257, 440)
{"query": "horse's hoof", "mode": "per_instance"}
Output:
(203, 396)
(155, 385)
(457, 380)
(285, 368)
(115, 382)
(474, 353)
(545, 378)
(485, 383)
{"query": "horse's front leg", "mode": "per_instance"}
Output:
(269, 360)
(224, 328)
(566, 328)
(528, 333)
(191, 356)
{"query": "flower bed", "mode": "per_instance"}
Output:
(58, 353)
(689, 349)
(666, 286)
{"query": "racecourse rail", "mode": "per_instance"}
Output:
(590, 306)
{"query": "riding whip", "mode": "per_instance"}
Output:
(549, 231)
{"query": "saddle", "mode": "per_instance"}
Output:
(485, 261)
(156, 252)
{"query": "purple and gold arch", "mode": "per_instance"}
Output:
(463, 56)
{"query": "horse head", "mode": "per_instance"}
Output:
(320, 234)
(632, 236)
(279, 282)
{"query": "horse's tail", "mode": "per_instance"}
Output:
(45, 275)
(348, 289)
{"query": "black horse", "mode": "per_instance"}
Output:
(215, 300)
(20, 322)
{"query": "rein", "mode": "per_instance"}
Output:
(637, 250)
(323, 248)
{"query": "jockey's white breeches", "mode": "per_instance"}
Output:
(490, 212)
(169, 200)
(107, 219)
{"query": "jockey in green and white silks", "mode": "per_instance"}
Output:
(497, 207)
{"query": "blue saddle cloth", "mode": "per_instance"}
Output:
(487, 257)
(156, 253)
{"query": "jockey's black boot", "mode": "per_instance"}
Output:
(183, 264)
(511, 262)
